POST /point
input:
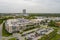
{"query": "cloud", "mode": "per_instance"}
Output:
(32, 6)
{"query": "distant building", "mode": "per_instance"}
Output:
(24, 12)
(57, 24)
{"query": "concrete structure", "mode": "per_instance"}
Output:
(57, 24)
(13, 25)
(20, 24)
(49, 18)
(24, 12)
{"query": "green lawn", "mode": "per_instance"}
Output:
(12, 39)
(4, 32)
(57, 37)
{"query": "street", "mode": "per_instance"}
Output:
(1, 25)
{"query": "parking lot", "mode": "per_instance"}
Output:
(38, 33)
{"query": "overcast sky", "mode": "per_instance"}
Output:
(32, 6)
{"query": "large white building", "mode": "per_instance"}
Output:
(13, 25)
(19, 24)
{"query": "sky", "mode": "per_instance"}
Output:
(31, 6)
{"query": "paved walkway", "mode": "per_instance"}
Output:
(1, 30)
(6, 38)
(30, 31)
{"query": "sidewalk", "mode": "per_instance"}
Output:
(30, 31)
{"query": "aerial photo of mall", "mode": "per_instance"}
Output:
(29, 19)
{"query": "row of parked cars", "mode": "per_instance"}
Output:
(37, 33)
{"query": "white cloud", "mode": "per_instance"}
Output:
(30, 5)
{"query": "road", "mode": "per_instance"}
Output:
(1, 30)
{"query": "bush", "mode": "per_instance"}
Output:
(51, 23)
(1, 20)
(12, 39)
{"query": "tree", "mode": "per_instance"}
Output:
(51, 23)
